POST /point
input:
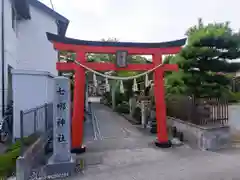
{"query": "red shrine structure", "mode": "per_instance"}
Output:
(81, 47)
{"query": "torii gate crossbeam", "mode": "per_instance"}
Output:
(82, 47)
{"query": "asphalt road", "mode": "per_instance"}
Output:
(88, 129)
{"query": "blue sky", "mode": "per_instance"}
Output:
(142, 20)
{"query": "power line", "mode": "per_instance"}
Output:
(51, 2)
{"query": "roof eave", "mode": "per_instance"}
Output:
(23, 12)
(65, 40)
(62, 22)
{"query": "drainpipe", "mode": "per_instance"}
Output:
(3, 61)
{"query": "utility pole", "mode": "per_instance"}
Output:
(3, 59)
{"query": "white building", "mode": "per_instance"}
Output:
(28, 60)
(24, 45)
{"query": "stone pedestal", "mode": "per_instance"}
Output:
(60, 169)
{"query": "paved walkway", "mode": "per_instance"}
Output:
(112, 125)
(127, 154)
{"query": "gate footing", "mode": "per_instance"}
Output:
(167, 144)
(79, 150)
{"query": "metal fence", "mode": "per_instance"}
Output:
(36, 120)
(199, 111)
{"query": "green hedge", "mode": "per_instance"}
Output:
(8, 162)
(8, 159)
(123, 108)
(234, 97)
(119, 98)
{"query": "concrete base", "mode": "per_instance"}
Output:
(60, 169)
(167, 144)
(203, 137)
(79, 150)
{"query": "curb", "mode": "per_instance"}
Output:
(131, 120)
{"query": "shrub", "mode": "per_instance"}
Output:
(27, 142)
(8, 159)
(234, 97)
(123, 108)
(107, 96)
(8, 162)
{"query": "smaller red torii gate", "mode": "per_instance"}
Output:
(81, 47)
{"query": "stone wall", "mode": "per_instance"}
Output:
(204, 138)
(32, 157)
(234, 123)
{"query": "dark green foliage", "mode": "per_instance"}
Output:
(27, 141)
(123, 108)
(8, 159)
(107, 96)
(128, 88)
(205, 61)
(234, 97)
(8, 162)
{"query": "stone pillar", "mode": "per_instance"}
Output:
(132, 105)
(61, 160)
(115, 84)
(143, 111)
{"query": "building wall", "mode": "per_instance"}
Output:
(30, 89)
(34, 51)
(0, 55)
(26, 46)
(10, 40)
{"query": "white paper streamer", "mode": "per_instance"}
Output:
(95, 80)
(107, 85)
(121, 87)
(146, 80)
(135, 86)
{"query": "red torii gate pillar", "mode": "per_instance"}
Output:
(83, 47)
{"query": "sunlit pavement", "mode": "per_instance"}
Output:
(127, 154)
(171, 164)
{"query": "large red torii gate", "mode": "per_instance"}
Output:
(81, 47)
